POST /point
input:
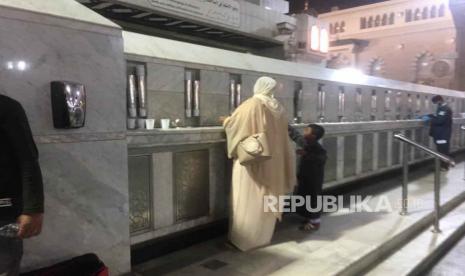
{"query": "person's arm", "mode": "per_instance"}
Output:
(18, 132)
(295, 136)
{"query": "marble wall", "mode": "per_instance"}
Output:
(85, 170)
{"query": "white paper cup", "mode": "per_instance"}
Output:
(165, 123)
(149, 123)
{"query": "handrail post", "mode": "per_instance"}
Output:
(403, 212)
(462, 127)
(437, 189)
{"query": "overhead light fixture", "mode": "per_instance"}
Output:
(188, 26)
(122, 10)
(102, 6)
(214, 32)
(140, 15)
(202, 29)
(173, 23)
(160, 19)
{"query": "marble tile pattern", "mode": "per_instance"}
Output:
(85, 170)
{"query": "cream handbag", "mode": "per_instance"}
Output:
(253, 149)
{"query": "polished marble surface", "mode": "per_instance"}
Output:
(85, 169)
(166, 49)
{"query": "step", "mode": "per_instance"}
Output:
(350, 256)
(420, 253)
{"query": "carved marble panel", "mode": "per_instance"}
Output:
(139, 193)
(367, 163)
(350, 155)
(330, 145)
(382, 150)
(191, 178)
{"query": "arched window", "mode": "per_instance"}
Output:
(408, 15)
(417, 15)
(363, 23)
(442, 10)
(423, 65)
(384, 21)
(342, 28)
(425, 13)
(378, 21)
(336, 27)
(370, 22)
(392, 17)
(331, 28)
(433, 12)
(376, 67)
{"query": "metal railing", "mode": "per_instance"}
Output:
(462, 127)
(437, 176)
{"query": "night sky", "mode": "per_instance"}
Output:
(322, 6)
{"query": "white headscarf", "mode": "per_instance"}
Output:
(264, 89)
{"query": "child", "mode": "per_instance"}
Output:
(311, 172)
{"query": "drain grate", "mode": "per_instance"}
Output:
(214, 264)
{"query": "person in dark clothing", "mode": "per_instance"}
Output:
(310, 173)
(441, 127)
(21, 187)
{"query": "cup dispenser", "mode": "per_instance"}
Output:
(235, 92)
(68, 104)
(136, 96)
(192, 97)
(298, 101)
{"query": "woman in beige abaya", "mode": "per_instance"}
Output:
(250, 225)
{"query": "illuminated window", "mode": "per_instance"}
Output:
(324, 41)
(315, 38)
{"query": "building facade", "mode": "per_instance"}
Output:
(412, 41)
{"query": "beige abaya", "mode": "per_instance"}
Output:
(250, 225)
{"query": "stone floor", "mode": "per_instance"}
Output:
(343, 237)
(452, 264)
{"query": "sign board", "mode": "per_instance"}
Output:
(225, 12)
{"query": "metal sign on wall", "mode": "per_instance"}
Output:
(225, 12)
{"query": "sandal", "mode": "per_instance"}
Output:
(309, 227)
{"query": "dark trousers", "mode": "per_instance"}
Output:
(310, 186)
(11, 252)
(444, 149)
